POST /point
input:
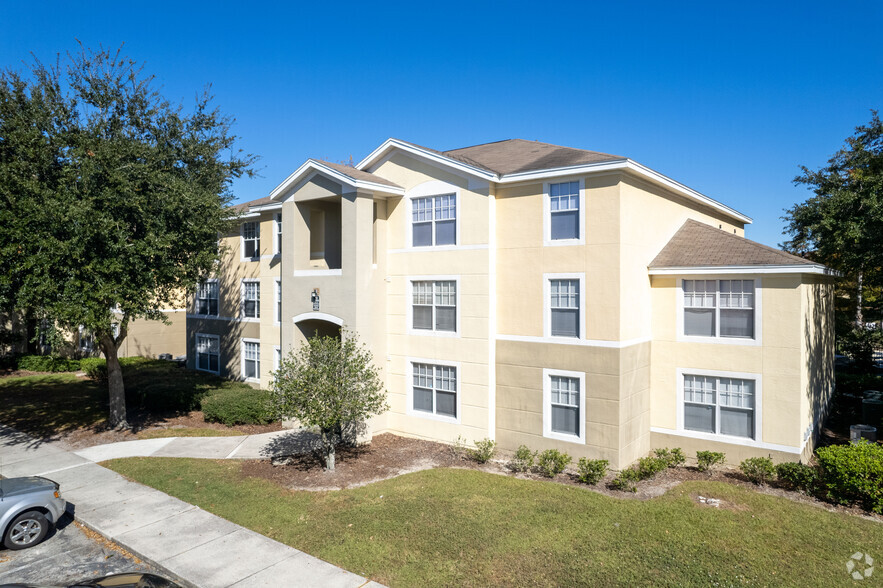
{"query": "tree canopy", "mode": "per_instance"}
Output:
(111, 196)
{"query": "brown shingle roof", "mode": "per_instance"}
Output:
(697, 244)
(244, 206)
(356, 174)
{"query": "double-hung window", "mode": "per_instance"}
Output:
(434, 305)
(719, 308)
(564, 308)
(207, 299)
(251, 299)
(278, 233)
(719, 405)
(565, 405)
(251, 240)
(564, 211)
(434, 389)
(434, 220)
(278, 300)
(208, 353)
(251, 360)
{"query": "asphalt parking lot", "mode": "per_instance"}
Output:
(68, 555)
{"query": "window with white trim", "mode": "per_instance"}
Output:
(87, 340)
(564, 306)
(207, 298)
(251, 240)
(564, 407)
(564, 210)
(251, 360)
(278, 300)
(434, 305)
(434, 389)
(278, 233)
(434, 220)
(719, 308)
(208, 353)
(719, 405)
(251, 299)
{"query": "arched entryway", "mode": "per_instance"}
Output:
(323, 324)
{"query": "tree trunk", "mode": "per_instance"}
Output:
(115, 387)
(859, 316)
(328, 446)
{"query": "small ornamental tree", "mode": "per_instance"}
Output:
(329, 383)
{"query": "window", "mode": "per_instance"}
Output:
(278, 301)
(251, 240)
(434, 389)
(719, 308)
(251, 360)
(207, 298)
(565, 308)
(434, 305)
(114, 330)
(278, 233)
(719, 405)
(564, 405)
(251, 299)
(564, 211)
(434, 220)
(277, 358)
(208, 353)
(87, 340)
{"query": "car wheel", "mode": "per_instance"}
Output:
(26, 530)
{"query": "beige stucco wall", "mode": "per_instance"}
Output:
(151, 338)
(817, 356)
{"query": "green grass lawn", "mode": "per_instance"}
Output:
(451, 527)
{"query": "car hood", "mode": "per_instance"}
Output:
(10, 487)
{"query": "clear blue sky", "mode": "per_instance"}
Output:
(728, 98)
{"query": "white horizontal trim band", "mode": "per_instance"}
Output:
(583, 342)
(728, 439)
(318, 272)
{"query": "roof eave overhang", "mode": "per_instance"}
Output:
(741, 269)
(311, 166)
(391, 144)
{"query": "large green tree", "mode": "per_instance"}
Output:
(111, 196)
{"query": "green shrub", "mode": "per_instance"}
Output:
(758, 470)
(626, 480)
(47, 363)
(95, 367)
(650, 466)
(484, 450)
(523, 460)
(591, 471)
(552, 462)
(798, 476)
(706, 460)
(674, 457)
(240, 405)
(855, 384)
(853, 474)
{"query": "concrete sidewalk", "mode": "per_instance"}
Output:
(196, 547)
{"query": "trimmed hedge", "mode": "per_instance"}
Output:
(853, 474)
(47, 363)
(239, 405)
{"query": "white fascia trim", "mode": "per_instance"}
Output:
(313, 165)
(319, 316)
(547, 406)
(249, 215)
(265, 207)
(317, 272)
(568, 341)
(435, 157)
(409, 301)
(740, 269)
(409, 390)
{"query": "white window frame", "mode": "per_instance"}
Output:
(758, 311)
(547, 306)
(277, 300)
(84, 335)
(257, 224)
(196, 298)
(277, 232)
(409, 386)
(196, 352)
(428, 190)
(277, 356)
(242, 343)
(547, 214)
(547, 406)
(758, 407)
(242, 317)
(410, 306)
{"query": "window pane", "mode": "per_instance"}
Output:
(423, 317)
(565, 323)
(446, 232)
(565, 225)
(446, 318)
(422, 375)
(422, 292)
(423, 399)
(446, 293)
(213, 362)
(445, 207)
(250, 309)
(565, 420)
(737, 323)
(250, 368)
(421, 210)
(699, 418)
(699, 322)
(422, 235)
(446, 404)
(737, 422)
(202, 361)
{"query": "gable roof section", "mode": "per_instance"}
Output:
(343, 174)
(698, 247)
(517, 160)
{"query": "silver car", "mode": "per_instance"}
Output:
(28, 509)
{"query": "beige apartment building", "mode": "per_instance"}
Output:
(533, 294)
